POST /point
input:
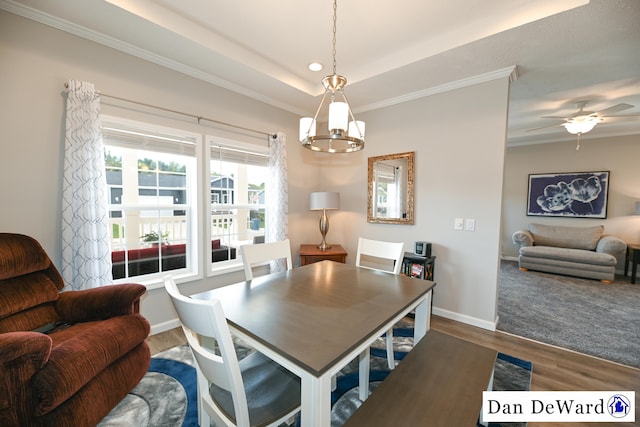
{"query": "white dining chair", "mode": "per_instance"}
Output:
(380, 251)
(263, 252)
(252, 392)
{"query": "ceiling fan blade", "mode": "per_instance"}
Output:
(544, 127)
(614, 109)
(554, 117)
(622, 115)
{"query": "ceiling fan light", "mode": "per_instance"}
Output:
(581, 124)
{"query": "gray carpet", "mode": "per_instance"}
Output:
(578, 314)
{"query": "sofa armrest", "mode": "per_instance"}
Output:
(612, 245)
(522, 238)
(100, 303)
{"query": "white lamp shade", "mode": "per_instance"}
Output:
(338, 116)
(324, 200)
(307, 127)
(353, 129)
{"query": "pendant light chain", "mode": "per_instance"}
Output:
(335, 14)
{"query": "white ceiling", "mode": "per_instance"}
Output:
(565, 51)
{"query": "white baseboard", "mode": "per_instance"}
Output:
(473, 321)
(510, 258)
(164, 326)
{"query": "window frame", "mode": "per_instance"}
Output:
(261, 150)
(190, 206)
(198, 202)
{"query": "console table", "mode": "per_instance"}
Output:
(310, 254)
(427, 264)
(633, 256)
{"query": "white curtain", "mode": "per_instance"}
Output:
(86, 253)
(277, 189)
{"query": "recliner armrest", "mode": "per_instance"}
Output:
(522, 238)
(22, 354)
(100, 303)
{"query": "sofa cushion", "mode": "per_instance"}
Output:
(572, 255)
(81, 352)
(566, 237)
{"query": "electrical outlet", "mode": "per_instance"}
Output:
(470, 224)
(458, 224)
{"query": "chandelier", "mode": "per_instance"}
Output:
(345, 133)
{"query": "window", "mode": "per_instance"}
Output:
(237, 177)
(155, 177)
(151, 175)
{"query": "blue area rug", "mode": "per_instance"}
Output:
(167, 395)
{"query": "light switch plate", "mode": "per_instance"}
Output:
(458, 224)
(470, 224)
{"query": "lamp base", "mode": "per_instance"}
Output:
(324, 228)
(324, 246)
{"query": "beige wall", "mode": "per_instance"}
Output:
(619, 155)
(458, 174)
(36, 60)
(459, 165)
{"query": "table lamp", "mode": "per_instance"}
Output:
(323, 201)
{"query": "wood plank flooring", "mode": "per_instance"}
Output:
(553, 368)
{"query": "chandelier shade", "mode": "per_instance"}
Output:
(344, 134)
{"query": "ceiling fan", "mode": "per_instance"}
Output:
(583, 120)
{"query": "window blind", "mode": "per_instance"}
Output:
(131, 137)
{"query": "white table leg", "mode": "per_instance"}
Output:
(489, 388)
(363, 378)
(315, 402)
(422, 318)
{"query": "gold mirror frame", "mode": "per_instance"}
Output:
(407, 216)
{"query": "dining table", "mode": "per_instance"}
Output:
(315, 319)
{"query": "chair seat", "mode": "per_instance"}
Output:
(272, 391)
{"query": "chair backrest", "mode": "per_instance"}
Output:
(380, 249)
(205, 319)
(263, 252)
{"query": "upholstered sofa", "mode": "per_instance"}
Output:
(66, 358)
(145, 260)
(573, 251)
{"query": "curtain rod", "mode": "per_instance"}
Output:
(193, 116)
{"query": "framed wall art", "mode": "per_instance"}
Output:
(575, 194)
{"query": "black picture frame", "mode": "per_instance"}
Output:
(572, 194)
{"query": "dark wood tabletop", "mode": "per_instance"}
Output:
(316, 314)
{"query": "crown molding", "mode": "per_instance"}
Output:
(111, 42)
(511, 72)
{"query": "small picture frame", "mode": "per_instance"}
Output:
(574, 194)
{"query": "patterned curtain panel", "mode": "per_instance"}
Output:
(277, 189)
(86, 253)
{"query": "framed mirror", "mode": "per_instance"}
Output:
(390, 194)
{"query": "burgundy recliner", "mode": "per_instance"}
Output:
(66, 358)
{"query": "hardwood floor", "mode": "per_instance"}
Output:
(553, 368)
